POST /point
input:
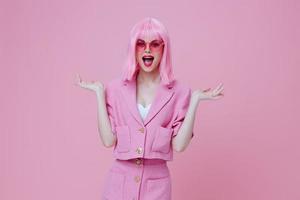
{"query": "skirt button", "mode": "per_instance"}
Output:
(138, 161)
(137, 179)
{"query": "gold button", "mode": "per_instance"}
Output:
(141, 130)
(139, 150)
(137, 179)
(138, 161)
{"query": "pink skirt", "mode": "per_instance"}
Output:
(137, 179)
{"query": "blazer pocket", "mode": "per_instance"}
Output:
(123, 138)
(162, 140)
(159, 188)
(114, 186)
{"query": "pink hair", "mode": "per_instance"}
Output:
(152, 27)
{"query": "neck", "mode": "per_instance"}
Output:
(148, 78)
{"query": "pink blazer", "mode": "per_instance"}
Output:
(149, 138)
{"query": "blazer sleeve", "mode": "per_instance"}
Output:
(181, 112)
(110, 109)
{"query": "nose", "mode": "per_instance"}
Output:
(147, 49)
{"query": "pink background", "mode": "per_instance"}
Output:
(246, 145)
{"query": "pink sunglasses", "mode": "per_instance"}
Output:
(155, 45)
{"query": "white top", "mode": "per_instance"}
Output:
(143, 110)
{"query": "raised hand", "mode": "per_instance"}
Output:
(95, 86)
(208, 94)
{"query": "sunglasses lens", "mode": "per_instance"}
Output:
(154, 45)
(140, 45)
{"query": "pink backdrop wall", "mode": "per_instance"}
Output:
(246, 145)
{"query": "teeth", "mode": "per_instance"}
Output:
(149, 59)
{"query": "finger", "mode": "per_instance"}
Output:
(215, 91)
(76, 82)
(221, 89)
(219, 86)
(206, 90)
(219, 96)
(83, 84)
(78, 77)
(215, 97)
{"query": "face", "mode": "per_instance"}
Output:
(149, 52)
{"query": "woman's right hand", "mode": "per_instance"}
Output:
(95, 86)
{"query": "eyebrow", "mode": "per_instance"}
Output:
(156, 40)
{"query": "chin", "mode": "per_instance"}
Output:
(148, 69)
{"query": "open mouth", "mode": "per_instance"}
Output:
(148, 60)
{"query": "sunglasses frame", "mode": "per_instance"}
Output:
(153, 49)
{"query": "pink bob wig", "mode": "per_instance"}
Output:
(148, 27)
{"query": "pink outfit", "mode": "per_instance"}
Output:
(149, 140)
(138, 180)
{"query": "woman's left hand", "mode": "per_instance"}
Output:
(208, 94)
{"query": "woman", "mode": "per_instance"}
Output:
(145, 115)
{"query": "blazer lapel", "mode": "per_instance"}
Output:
(162, 96)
